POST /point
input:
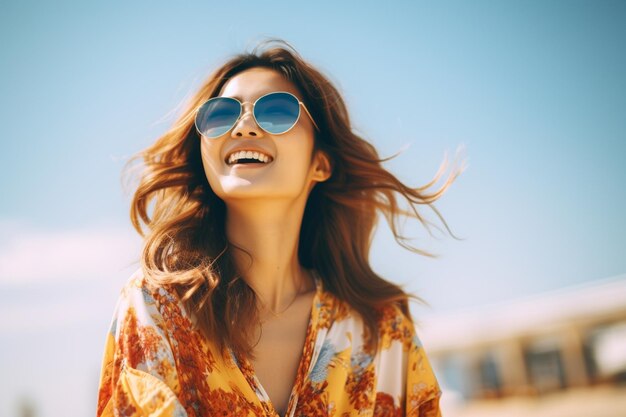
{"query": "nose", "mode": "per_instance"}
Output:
(246, 126)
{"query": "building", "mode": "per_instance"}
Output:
(535, 350)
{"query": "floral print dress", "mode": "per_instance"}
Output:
(156, 363)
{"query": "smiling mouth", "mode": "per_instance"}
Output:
(248, 157)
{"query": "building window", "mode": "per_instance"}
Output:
(545, 365)
(606, 350)
(490, 381)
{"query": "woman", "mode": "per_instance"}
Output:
(255, 295)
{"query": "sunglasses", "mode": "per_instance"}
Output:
(276, 113)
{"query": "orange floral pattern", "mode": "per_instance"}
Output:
(157, 363)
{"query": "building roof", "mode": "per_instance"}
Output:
(537, 314)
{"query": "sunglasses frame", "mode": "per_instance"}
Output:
(241, 113)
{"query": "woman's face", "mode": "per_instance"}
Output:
(290, 171)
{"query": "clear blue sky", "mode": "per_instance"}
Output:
(534, 90)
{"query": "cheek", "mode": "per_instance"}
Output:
(300, 155)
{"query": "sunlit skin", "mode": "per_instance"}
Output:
(265, 205)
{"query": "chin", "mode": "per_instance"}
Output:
(239, 188)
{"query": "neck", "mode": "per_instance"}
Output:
(269, 233)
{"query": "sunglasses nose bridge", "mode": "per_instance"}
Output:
(247, 125)
(250, 109)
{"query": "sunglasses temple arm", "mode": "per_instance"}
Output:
(310, 117)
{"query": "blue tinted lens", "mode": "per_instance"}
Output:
(217, 116)
(277, 112)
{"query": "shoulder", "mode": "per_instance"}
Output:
(145, 321)
(140, 288)
(401, 346)
(392, 324)
(143, 289)
(396, 326)
(143, 304)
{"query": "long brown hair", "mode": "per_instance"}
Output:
(183, 220)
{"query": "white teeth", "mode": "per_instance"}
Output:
(261, 157)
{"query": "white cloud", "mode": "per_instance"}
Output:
(37, 316)
(55, 279)
(30, 256)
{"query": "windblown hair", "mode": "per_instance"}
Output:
(183, 221)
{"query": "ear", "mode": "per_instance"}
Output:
(322, 168)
